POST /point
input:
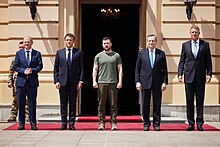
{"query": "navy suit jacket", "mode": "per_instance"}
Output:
(151, 78)
(60, 67)
(20, 64)
(191, 66)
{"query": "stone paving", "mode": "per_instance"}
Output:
(51, 138)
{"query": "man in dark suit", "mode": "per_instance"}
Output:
(28, 63)
(151, 78)
(195, 62)
(68, 77)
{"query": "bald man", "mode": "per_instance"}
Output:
(28, 63)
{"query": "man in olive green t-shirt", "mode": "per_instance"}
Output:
(106, 66)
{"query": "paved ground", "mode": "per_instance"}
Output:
(68, 138)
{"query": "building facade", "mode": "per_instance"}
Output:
(54, 18)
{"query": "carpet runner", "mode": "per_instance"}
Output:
(125, 123)
(91, 126)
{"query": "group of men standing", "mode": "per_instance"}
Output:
(151, 79)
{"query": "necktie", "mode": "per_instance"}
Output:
(152, 58)
(28, 57)
(194, 50)
(69, 60)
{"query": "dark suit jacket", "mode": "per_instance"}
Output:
(192, 67)
(20, 64)
(148, 77)
(60, 67)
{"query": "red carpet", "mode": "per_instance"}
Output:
(121, 126)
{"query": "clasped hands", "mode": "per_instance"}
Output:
(28, 71)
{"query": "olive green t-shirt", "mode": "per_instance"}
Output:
(107, 66)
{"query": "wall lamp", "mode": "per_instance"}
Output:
(32, 5)
(189, 7)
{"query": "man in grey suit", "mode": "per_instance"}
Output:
(68, 78)
(196, 64)
(151, 78)
(28, 63)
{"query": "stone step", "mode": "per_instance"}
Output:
(57, 118)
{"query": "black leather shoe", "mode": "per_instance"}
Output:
(146, 128)
(21, 127)
(199, 128)
(34, 127)
(157, 128)
(63, 127)
(190, 128)
(71, 127)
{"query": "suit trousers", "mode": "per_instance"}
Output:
(110, 91)
(31, 93)
(198, 90)
(68, 94)
(156, 95)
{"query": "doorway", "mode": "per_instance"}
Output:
(124, 32)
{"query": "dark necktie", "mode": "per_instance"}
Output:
(69, 61)
(28, 57)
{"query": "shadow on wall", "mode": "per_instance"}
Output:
(169, 91)
(51, 48)
(208, 31)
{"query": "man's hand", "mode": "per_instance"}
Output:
(163, 87)
(138, 86)
(208, 78)
(180, 79)
(79, 85)
(95, 85)
(58, 85)
(119, 85)
(28, 71)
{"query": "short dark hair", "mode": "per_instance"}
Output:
(107, 38)
(152, 35)
(20, 42)
(70, 35)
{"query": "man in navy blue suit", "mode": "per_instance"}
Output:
(68, 78)
(196, 64)
(151, 78)
(28, 63)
